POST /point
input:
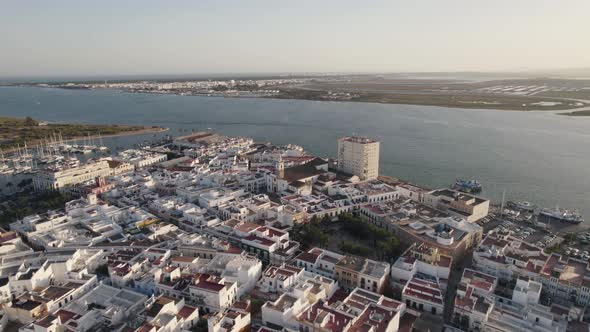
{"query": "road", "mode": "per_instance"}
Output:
(454, 279)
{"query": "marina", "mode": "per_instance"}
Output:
(555, 218)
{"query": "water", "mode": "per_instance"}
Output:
(537, 156)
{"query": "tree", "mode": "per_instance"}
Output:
(24, 183)
(30, 122)
(355, 249)
(309, 234)
(388, 247)
(200, 326)
(102, 270)
(256, 304)
(382, 241)
(323, 239)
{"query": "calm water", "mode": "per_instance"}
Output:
(540, 156)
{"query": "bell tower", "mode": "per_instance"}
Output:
(280, 171)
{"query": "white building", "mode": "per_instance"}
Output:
(474, 300)
(166, 314)
(421, 260)
(423, 295)
(244, 271)
(106, 304)
(229, 321)
(194, 217)
(300, 289)
(565, 279)
(320, 261)
(360, 311)
(139, 158)
(59, 178)
(350, 271)
(458, 204)
(359, 156)
(479, 306)
(212, 293)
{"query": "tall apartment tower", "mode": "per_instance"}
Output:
(359, 156)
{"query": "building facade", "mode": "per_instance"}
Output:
(57, 179)
(359, 156)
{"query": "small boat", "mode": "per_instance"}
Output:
(467, 186)
(522, 206)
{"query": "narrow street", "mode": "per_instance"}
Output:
(454, 279)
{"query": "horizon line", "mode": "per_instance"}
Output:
(8, 78)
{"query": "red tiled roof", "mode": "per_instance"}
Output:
(423, 290)
(204, 281)
(445, 261)
(308, 257)
(145, 328)
(7, 236)
(186, 311)
(46, 321)
(184, 259)
(270, 232)
(471, 274)
(65, 315)
(406, 323)
(259, 240)
(336, 324)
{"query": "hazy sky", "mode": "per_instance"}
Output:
(40, 38)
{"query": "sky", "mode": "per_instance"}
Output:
(98, 38)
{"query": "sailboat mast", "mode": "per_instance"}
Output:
(502, 206)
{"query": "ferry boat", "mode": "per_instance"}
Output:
(468, 186)
(561, 215)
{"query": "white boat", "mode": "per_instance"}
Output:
(524, 206)
(561, 215)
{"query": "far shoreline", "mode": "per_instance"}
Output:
(464, 106)
(574, 113)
